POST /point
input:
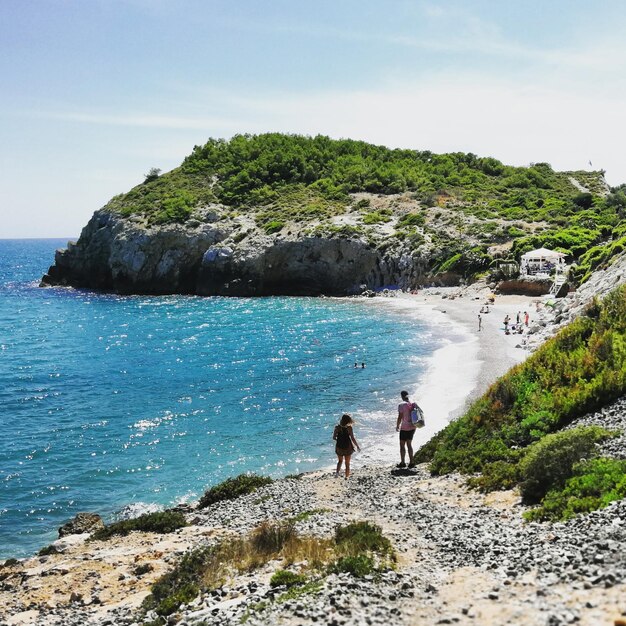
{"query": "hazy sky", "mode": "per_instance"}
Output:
(95, 92)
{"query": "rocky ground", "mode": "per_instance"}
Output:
(463, 557)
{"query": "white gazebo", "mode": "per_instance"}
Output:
(541, 261)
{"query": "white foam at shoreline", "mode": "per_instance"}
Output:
(442, 390)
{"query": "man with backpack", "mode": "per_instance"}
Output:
(406, 428)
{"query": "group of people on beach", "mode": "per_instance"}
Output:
(509, 327)
(346, 443)
(518, 327)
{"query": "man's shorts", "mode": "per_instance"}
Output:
(406, 435)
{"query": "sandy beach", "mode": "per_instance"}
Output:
(469, 362)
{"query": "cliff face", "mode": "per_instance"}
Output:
(205, 257)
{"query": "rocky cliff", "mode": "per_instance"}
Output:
(290, 215)
(212, 254)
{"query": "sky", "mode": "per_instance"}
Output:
(93, 93)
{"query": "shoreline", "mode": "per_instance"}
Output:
(460, 371)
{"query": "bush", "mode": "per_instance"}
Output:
(496, 475)
(161, 522)
(595, 484)
(412, 219)
(578, 371)
(172, 603)
(274, 226)
(550, 462)
(233, 488)
(360, 565)
(360, 537)
(179, 586)
(142, 569)
(377, 217)
(153, 174)
(47, 550)
(285, 578)
(271, 537)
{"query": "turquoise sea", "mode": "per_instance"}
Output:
(114, 403)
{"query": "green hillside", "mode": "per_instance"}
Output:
(459, 204)
(512, 435)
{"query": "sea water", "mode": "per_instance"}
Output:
(110, 401)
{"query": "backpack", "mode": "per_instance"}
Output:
(417, 416)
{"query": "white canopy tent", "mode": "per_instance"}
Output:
(541, 260)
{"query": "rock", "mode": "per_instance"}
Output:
(70, 541)
(82, 523)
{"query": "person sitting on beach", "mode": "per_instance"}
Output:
(345, 443)
(406, 428)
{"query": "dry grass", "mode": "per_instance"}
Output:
(312, 550)
(210, 567)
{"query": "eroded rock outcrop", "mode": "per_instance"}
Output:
(208, 256)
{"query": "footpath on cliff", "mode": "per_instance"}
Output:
(462, 557)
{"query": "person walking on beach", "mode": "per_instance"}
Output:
(406, 428)
(526, 318)
(345, 443)
(480, 322)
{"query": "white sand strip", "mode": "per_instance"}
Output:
(458, 372)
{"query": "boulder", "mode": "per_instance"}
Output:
(82, 523)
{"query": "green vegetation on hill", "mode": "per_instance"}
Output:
(277, 178)
(506, 435)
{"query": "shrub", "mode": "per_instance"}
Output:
(360, 537)
(274, 226)
(175, 208)
(47, 550)
(594, 485)
(550, 462)
(161, 522)
(377, 217)
(583, 199)
(153, 174)
(579, 370)
(142, 569)
(412, 219)
(496, 475)
(285, 578)
(271, 537)
(359, 565)
(181, 584)
(300, 590)
(183, 595)
(233, 488)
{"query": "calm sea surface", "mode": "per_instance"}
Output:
(109, 402)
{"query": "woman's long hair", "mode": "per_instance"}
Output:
(346, 420)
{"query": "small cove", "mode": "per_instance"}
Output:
(111, 402)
